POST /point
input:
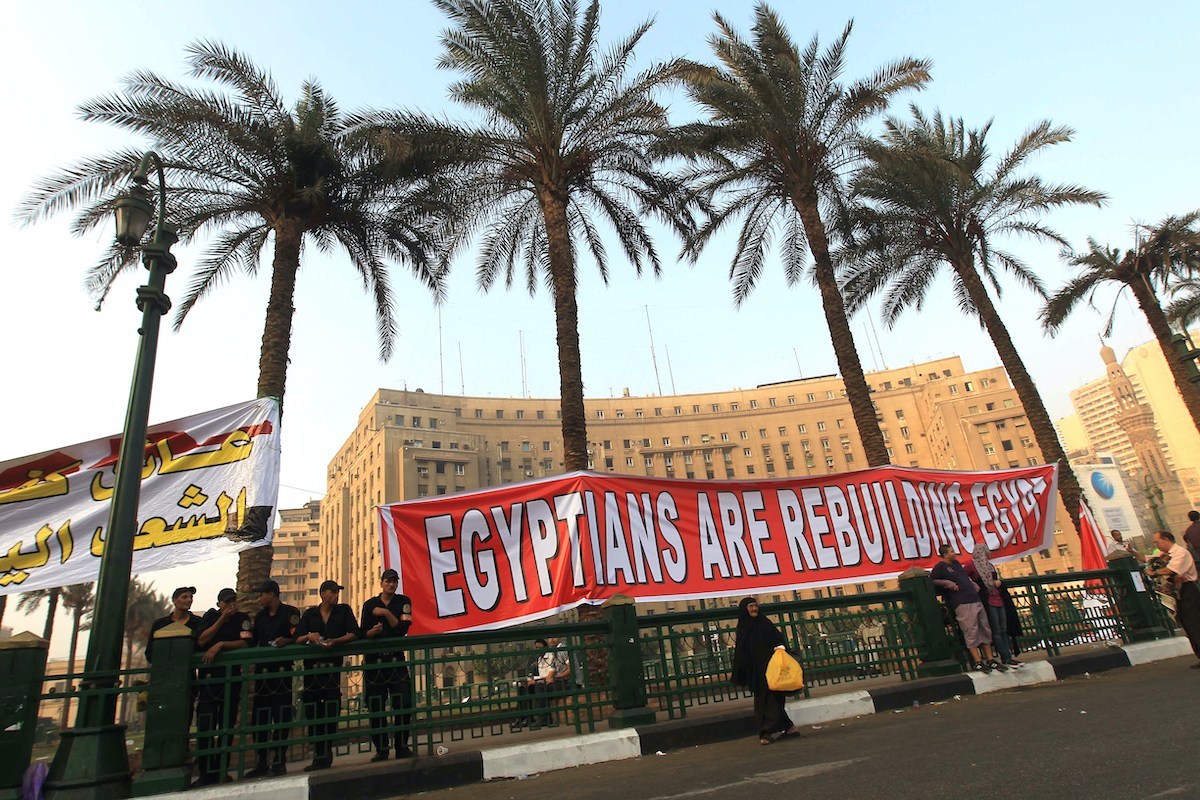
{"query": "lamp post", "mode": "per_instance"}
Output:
(91, 761)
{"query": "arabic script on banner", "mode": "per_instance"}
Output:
(209, 487)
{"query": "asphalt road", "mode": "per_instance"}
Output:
(1125, 734)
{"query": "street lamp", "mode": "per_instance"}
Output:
(91, 761)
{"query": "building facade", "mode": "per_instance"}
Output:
(295, 564)
(410, 444)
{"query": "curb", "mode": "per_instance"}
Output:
(413, 776)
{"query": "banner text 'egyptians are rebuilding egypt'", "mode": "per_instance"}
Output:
(516, 553)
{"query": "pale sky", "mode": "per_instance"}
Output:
(1120, 74)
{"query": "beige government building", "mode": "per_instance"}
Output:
(410, 444)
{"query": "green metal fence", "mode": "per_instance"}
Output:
(470, 687)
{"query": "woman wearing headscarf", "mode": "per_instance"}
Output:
(990, 583)
(757, 640)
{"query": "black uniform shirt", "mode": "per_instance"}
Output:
(235, 629)
(193, 622)
(341, 621)
(268, 628)
(400, 606)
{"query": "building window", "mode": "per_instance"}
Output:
(967, 385)
(825, 445)
(658, 412)
(608, 463)
(599, 413)
(954, 388)
(989, 450)
(678, 410)
(899, 413)
(743, 435)
(908, 448)
(747, 452)
(546, 446)
(802, 428)
(904, 431)
(666, 441)
(749, 469)
(754, 404)
(829, 463)
(629, 461)
(687, 439)
(734, 406)
(460, 469)
(541, 415)
(637, 412)
(649, 461)
(820, 426)
(829, 394)
(479, 413)
(724, 437)
(810, 397)
(716, 407)
(786, 448)
(1007, 445)
(841, 423)
(973, 409)
(791, 399)
(696, 409)
(620, 413)
(645, 442)
(670, 460)
(707, 457)
(520, 413)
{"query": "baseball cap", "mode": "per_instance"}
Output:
(271, 587)
(327, 585)
(225, 595)
(183, 590)
(389, 575)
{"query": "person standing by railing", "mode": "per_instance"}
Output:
(986, 574)
(1181, 570)
(182, 599)
(388, 616)
(274, 626)
(324, 627)
(756, 641)
(220, 691)
(962, 596)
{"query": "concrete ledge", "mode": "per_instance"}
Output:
(287, 787)
(392, 778)
(528, 759)
(815, 710)
(1030, 674)
(709, 729)
(926, 690)
(1078, 663)
(1158, 650)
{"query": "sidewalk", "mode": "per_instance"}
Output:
(495, 757)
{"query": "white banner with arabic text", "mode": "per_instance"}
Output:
(210, 483)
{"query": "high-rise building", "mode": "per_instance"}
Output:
(410, 444)
(295, 565)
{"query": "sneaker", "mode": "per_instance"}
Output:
(996, 665)
(980, 666)
(258, 772)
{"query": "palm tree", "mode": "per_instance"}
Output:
(1184, 308)
(781, 138)
(32, 600)
(567, 137)
(79, 599)
(1170, 251)
(931, 197)
(244, 169)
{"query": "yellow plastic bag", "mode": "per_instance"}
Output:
(784, 673)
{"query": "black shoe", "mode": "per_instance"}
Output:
(205, 780)
(382, 755)
(279, 769)
(260, 771)
(996, 665)
(318, 765)
(403, 752)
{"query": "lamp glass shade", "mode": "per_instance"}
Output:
(133, 214)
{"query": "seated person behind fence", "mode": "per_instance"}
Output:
(225, 628)
(961, 595)
(324, 627)
(526, 686)
(274, 626)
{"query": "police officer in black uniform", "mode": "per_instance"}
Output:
(324, 627)
(274, 626)
(182, 599)
(388, 616)
(225, 628)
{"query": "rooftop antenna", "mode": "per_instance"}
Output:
(670, 371)
(653, 359)
(441, 360)
(795, 355)
(524, 378)
(461, 375)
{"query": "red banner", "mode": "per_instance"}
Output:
(523, 551)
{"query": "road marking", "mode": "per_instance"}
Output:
(779, 776)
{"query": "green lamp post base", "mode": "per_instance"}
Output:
(91, 764)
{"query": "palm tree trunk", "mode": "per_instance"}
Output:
(1031, 400)
(51, 610)
(849, 364)
(1188, 391)
(76, 620)
(254, 564)
(566, 313)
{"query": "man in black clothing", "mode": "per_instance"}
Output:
(388, 616)
(274, 626)
(182, 599)
(324, 627)
(219, 693)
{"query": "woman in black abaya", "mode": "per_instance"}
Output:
(757, 640)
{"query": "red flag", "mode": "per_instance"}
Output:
(1091, 541)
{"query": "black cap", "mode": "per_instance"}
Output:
(327, 585)
(225, 595)
(183, 590)
(267, 587)
(389, 575)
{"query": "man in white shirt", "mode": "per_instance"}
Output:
(1181, 570)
